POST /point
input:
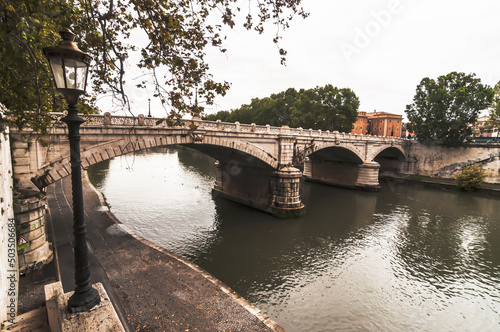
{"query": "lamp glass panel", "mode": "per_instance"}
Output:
(76, 74)
(82, 78)
(57, 70)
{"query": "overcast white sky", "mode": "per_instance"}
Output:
(381, 49)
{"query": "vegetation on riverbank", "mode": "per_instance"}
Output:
(470, 178)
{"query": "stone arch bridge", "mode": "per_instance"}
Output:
(256, 165)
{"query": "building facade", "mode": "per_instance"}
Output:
(360, 127)
(378, 124)
(483, 129)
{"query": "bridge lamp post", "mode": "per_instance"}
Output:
(70, 69)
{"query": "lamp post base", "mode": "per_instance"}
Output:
(80, 302)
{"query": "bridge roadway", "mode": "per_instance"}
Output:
(256, 165)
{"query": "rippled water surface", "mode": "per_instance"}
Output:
(403, 259)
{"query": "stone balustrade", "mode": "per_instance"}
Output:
(107, 119)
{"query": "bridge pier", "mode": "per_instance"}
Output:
(275, 192)
(368, 176)
(284, 196)
(242, 184)
(343, 174)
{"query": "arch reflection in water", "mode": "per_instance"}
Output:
(406, 258)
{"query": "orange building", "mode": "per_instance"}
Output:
(378, 124)
(360, 127)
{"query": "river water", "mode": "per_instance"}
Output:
(406, 258)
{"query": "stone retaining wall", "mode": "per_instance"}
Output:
(441, 161)
(30, 219)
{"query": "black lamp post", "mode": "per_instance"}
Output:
(70, 68)
(149, 105)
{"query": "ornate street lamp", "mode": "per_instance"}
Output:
(70, 68)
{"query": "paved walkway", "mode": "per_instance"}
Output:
(152, 289)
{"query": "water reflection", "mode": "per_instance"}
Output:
(99, 173)
(406, 258)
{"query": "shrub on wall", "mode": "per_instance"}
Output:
(470, 178)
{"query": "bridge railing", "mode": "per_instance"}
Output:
(267, 129)
(119, 120)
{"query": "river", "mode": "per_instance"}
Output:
(406, 258)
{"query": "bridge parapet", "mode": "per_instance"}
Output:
(276, 146)
(119, 120)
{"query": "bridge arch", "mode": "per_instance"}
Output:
(338, 153)
(338, 165)
(387, 149)
(242, 146)
(58, 169)
(389, 158)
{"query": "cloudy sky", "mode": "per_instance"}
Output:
(381, 49)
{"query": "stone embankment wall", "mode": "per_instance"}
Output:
(8, 242)
(442, 161)
(29, 207)
(29, 211)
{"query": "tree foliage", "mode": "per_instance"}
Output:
(25, 28)
(325, 108)
(494, 121)
(175, 35)
(470, 178)
(444, 109)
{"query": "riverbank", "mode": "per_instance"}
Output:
(492, 189)
(152, 289)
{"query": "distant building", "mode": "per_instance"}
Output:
(405, 132)
(360, 127)
(482, 129)
(378, 124)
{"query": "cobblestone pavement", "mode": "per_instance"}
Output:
(31, 292)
